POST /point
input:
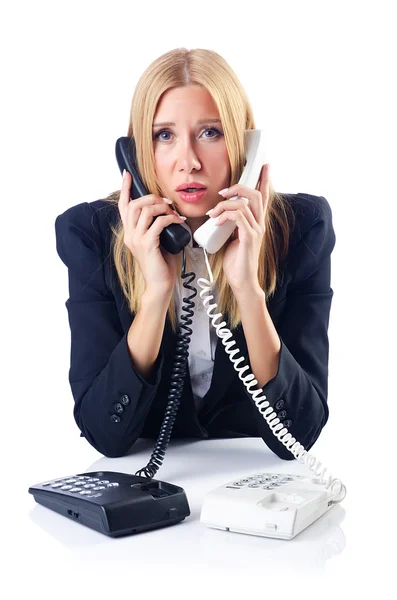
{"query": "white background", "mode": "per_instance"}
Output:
(320, 77)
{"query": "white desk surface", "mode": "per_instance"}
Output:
(62, 558)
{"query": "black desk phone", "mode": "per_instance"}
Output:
(119, 504)
(114, 503)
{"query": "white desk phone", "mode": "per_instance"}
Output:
(278, 505)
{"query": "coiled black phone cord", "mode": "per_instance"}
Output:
(177, 379)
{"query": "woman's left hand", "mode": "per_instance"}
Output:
(240, 262)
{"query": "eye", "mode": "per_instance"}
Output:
(159, 133)
(213, 129)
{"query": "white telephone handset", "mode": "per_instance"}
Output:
(210, 236)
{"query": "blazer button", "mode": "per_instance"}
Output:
(118, 407)
(125, 400)
(279, 404)
(282, 414)
(115, 418)
(287, 423)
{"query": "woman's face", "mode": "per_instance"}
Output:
(189, 150)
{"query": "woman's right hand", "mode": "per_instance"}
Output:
(142, 235)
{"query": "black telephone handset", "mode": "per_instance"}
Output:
(174, 237)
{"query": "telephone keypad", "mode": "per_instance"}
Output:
(268, 481)
(82, 485)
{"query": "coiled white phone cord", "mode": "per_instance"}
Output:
(269, 415)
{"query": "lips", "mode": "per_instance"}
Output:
(190, 184)
(192, 196)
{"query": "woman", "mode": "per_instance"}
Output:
(272, 277)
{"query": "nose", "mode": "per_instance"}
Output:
(187, 158)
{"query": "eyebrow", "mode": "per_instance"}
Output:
(198, 122)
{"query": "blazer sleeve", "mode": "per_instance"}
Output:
(298, 392)
(111, 398)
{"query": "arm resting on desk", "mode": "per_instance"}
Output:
(298, 391)
(102, 374)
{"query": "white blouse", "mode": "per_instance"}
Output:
(203, 340)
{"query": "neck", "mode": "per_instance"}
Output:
(194, 223)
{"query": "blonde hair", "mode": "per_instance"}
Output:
(181, 68)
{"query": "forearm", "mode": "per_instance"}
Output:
(146, 332)
(262, 339)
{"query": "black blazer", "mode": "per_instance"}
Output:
(115, 405)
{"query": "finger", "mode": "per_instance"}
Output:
(264, 185)
(241, 203)
(147, 214)
(163, 221)
(235, 206)
(132, 216)
(244, 192)
(124, 198)
(135, 207)
(238, 190)
(238, 217)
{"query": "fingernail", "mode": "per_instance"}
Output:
(223, 191)
(168, 201)
(123, 173)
